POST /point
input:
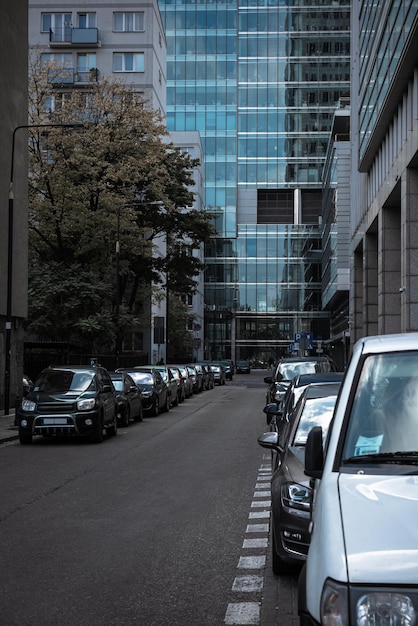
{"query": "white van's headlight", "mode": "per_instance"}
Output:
(385, 608)
(334, 609)
(28, 405)
(86, 404)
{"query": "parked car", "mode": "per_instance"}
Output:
(170, 381)
(197, 375)
(181, 385)
(129, 398)
(287, 368)
(362, 565)
(218, 373)
(296, 388)
(290, 489)
(155, 395)
(208, 377)
(242, 367)
(68, 400)
(188, 380)
(229, 368)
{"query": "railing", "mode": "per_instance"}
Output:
(69, 76)
(74, 36)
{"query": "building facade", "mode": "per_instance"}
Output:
(13, 198)
(384, 179)
(260, 81)
(127, 42)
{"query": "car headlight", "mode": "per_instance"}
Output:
(385, 608)
(86, 404)
(28, 405)
(334, 609)
(296, 496)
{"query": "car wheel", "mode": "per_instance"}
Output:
(167, 405)
(155, 407)
(25, 438)
(175, 402)
(97, 434)
(140, 415)
(279, 566)
(126, 417)
(113, 428)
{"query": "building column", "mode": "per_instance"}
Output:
(370, 283)
(356, 295)
(389, 280)
(408, 281)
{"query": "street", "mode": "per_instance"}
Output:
(147, 528)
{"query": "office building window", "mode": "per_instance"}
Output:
(128, 62)
(128, 21)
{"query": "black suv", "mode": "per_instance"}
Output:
(69, 400)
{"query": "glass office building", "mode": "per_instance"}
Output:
(260, 80)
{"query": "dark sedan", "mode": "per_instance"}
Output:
(155, 393)
(290, 489)
(128, 397)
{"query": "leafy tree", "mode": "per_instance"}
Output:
(102, 169)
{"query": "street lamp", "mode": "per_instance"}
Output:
(9, 291)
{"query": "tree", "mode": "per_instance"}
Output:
(114, 174)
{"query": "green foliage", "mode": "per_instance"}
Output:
(113, 177)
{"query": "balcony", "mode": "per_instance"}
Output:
(70, 76)
(74, 37)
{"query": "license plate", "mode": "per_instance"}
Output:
(55, 421)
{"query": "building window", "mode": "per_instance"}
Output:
(128, 62)
(54, 21)
(128, 22)
(64, 60)
(86, 20)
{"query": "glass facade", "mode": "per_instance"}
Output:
(384, 31)
(260, 80)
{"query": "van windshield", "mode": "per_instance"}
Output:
(384, 415)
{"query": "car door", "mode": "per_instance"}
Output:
(108, 396)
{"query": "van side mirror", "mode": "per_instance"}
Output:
(314, 453)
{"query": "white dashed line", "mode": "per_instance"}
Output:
(248, 613)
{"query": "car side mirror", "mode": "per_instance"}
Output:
(268, 380)
(271, 410)
(270, 441)
(314, 453)
(107, 388)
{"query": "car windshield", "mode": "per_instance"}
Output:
(290, 370)
(316, 412)
(62, 381)
(384, 414)
(142, 378)
(118, 384)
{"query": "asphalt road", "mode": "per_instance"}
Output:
(148, 527)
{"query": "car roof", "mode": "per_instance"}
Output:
(326, 377)
(321, 390)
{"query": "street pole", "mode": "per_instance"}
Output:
(9, 288)
(117, 304)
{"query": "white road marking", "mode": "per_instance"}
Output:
(243, 613)
(248, 613)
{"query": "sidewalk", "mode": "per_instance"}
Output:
(8, 430)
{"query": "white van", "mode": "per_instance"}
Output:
(362, 564)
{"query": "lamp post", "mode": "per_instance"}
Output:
(9, 288)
